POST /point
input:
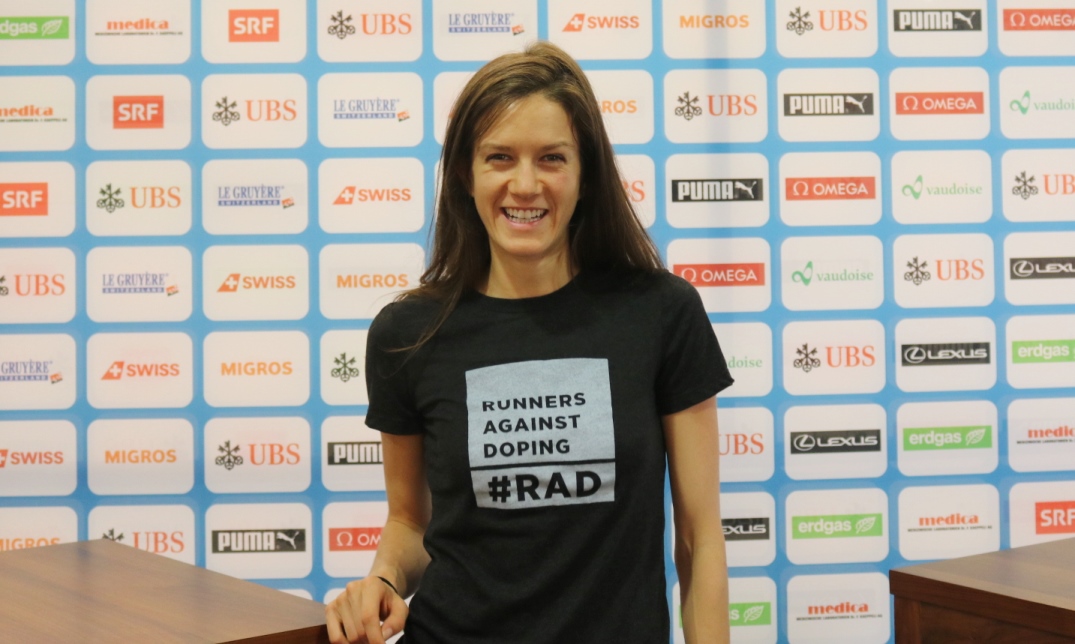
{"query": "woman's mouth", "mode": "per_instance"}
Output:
(524, 215)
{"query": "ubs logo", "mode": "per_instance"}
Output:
(153, 541)
(806, 359)
(254, 25)
(919, 103)
(950, 353)
(687, 107)
(745, 274)
(1039, 19)
(353, 539)
(24, 199)
(354, 453)
(267, 540)
(372, 24)
(152, 197)
(1033, 268)
(836, 441)
(828, 20)
(828, 104)
(836, 356)
(732, 444)
(918, 273)
(138, 112)
(748, 529)
(912, 20)
(345, 368)
(36, 285)
(258, 454)
(717, 190)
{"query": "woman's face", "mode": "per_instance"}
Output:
(525, 183)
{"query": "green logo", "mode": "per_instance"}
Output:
(34, 27)
(836, 525)
(805, 275)
(933, 438)
(750, 614)
(913, 189)
(1031, 351)
(1022, 104)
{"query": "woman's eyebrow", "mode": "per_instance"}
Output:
(500, 147)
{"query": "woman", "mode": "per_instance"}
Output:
(529, 391)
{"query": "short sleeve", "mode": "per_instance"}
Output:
(392, 408)
(692, 365)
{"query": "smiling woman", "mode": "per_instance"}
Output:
(532, 389)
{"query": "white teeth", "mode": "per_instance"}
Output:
(524, 215)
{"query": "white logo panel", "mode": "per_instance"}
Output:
(138, 198)
(138, 112)
(37, 285)
(639, 176)
(946, 354)
(352, 532)
(835, 442)
(343, 368)
(1037, 102)
(829, 104)
(830, 188)
(140, 456)
(751, 364)
(259, 540)
(256, 282)
(749, 522)
(257, 368)
(37, 199)
(37, 33)
(952, 437)
(626, 102)
(731, 275)
(746, 444)
(254, 111)
(948, 521)
(939, 103)
(602, 29)
(943, 270)
(715, 106)
(255, 196)
(482, 29)
(1041, 512)
(369, 30)
(837, 357)
(358, 280)
(139, 370)
(166, 530)
(37, 371)
(836, 29)
(1039, 268)
(1041, 434)
(918, 28)
(234, 32)
(836, 526)
(257, 455)
(713, 28)
(352, 455)
(1041, 351)
(1035, 27)
(1039, 185)
(382, 195)
(717, 190)
(137, 32)
(35, 527)
(139, 284)
(839, 608)
(942, 187)
(446, 89)
(370, 110)
(43, 117)
(830, 273)
(38, 458)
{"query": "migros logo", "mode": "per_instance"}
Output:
(140, 456)
(138, 112)
(836, 525)
(582, 22)
(829, 188)
(20, 543)
(917, 20)
(238, 282)
(253, 25)
(715, 21)
(373, 280)
(353, 194)
(29, 199)
(919, 103)
(1054, 517)
(947, 438)
(1058, 19)
(15, 458)
(120, 369)
(741, 274)
(34, 27)
(257, 368)
(353, 539)
(1041, 351)
(619, 106)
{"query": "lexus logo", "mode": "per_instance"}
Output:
(1022, 268)
(804, 443)
(914, 354)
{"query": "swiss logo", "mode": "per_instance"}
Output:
(138, 112)
(621, 30)
(139, 370)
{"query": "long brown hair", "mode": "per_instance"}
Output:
(604, 232)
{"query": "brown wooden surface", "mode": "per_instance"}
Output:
(1008, 596)
(100, 591)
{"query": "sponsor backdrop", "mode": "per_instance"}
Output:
(203, 205)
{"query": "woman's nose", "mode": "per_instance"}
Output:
(524, 180)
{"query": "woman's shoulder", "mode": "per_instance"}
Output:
(652, 283)
(403, 321)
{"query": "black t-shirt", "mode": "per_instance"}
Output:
(545, 453)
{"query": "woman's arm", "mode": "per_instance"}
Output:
(693, 451)
(368, 611)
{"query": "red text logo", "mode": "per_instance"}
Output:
(917, 103)
(850, 356)
(274, 454)
(14, 458)
(959, 270)
(1054, 517)
(120, 368)
(24, 199)
(842, 20)
(271, 110)
(818, 188)
(351, 194)
(386, 24)
(752, 274)
(581, 21)
(254, 25)
(733, 105)
(137, 112)
(398, 280)
(237, 281)
(352, 539)
(741, 444)
(1039, 19)
(1055, 184)
(39, 285)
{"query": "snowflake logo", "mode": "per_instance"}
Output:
(110, 200)
(341, 27)
(800, 21)
(112, 536)
(226, 113)
(1022, 187)
(918, 272)
(806, 360)
(3, 289)
(688, 106)
(229, 456)
(345, 369)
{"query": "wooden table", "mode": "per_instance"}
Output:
(100, 591)
(1020, 596)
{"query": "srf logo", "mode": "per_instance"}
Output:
(24, 199)
(1054, 517)
(138, 112)
(254, 25)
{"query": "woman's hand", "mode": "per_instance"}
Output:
(368, 611)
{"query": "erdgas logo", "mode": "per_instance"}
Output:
(837, 525)
(750, 614)
(1041, 351)
(947, 438)
(34, 27)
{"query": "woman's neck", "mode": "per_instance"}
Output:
(515, 279)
